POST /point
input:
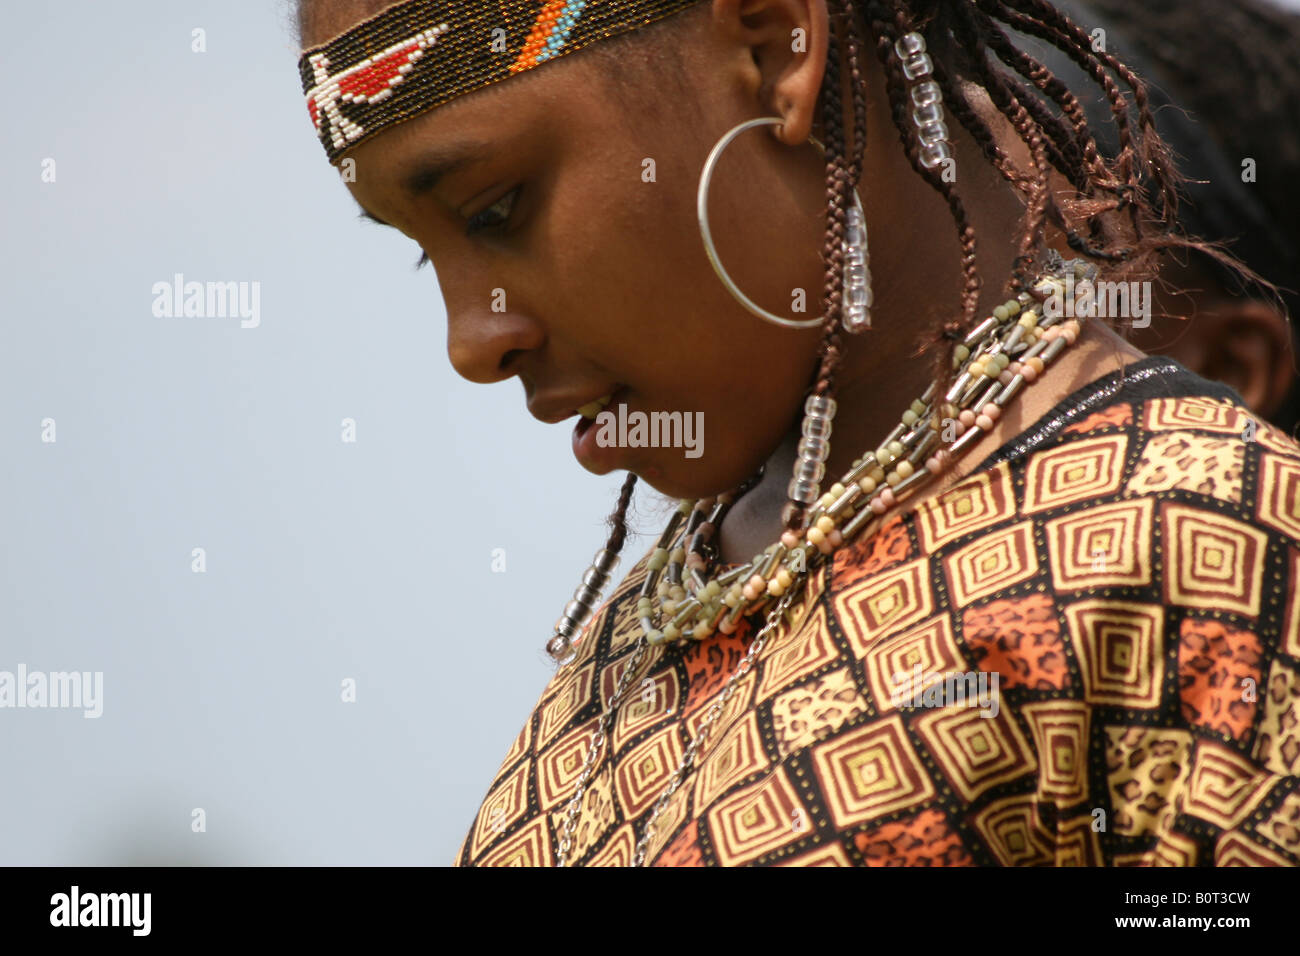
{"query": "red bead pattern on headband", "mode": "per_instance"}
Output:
(368, 82)
(420, 54)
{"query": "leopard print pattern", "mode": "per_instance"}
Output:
(926, 839)
(1218, 672)
(814, 711)
(1148, 770)
(1020, 638)
(1278, 745)
(1207, 464)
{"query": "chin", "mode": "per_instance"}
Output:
(686, 478)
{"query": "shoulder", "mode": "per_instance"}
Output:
(1133, 578)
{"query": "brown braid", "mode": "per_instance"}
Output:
(618, 520)
(1152, 149)
(841, 180)
(1122, 211)
(889, 22)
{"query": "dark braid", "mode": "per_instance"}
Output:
(1080, 51)
(1064, 140)
(840, 183)
(1245, 107)
(1009, 104)
(957, 103)
(618, 520)
(854, 43)
(1153, 152)
(888, 23)
(1126, 205)
(1122, 208)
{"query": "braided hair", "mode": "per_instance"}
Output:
(1250, 109)
(1124, 204)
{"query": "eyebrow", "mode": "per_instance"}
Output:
(431, 168)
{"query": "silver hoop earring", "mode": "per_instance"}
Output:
(857, 277)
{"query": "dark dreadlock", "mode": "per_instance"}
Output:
(1247, 107)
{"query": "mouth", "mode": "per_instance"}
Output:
(595, 407)
(586, 448)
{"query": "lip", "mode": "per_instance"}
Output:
(552, 410)
(595, 458)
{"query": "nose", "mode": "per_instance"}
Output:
(485, 345)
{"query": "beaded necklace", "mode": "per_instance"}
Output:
(1006, 351)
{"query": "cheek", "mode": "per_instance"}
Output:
(637, 294)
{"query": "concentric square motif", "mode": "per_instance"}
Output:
(559, 766)
(884, 604)
(1213, 561)
(977, 502)
(1120, 649)
(531, 846)
(870, 771)
(975, 751)
(756, 820)
(1224, 787)
(1080, 470)
(890, 664)
(991, 563)
(1279, 494)
(1061, 730)
(644, 771)
(1199, 412)
(505, 805)
(1105, 546)
(1013, 833)
(737, 754)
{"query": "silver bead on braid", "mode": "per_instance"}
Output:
(579, 610)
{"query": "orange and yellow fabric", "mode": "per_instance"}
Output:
(1086, 653)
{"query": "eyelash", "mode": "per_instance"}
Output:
(476, 222)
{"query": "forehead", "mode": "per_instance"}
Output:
(517, 118)
(490, 115)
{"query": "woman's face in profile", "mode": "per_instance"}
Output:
(568, 252)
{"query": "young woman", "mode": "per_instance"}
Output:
(1033, 603)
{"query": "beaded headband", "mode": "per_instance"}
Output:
(419, 54)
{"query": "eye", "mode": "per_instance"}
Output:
(494, 216)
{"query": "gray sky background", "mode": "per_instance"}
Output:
(325, 560)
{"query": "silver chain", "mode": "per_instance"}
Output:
(688, 758)
(571, 817)
(692, 751)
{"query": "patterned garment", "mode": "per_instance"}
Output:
(1123, 574)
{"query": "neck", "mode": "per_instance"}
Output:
(916, 282)
(755, 520)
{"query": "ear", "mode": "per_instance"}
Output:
(787, 45)
(1246, 343)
